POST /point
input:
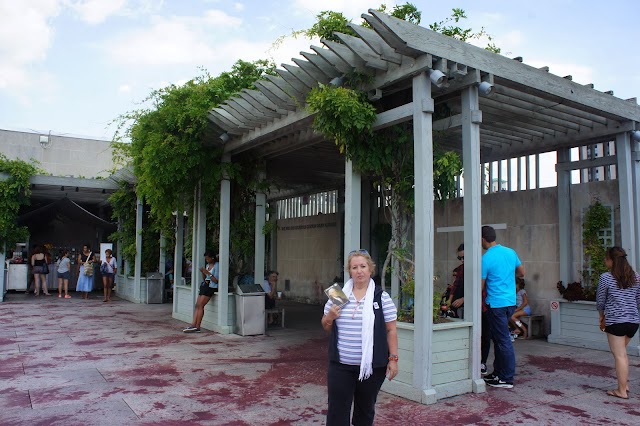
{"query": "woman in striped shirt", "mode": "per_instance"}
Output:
(617, 301)
(363, 345)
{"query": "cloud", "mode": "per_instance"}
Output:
(26, 36)
(97, 11)
(238, 6)
(124, 89)
(175, 40)
(581, 74)
(352, 9)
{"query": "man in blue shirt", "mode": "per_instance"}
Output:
(500, 265)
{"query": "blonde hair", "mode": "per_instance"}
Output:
(367, 257)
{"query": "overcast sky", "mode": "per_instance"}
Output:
(72, 66)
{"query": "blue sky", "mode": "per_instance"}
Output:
(72, 66)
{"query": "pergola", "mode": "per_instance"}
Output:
(500, 108)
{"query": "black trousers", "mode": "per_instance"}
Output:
(485, 339)
(344, 389)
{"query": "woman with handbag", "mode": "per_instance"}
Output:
(85, 271)
(108, 269)
(40, 269)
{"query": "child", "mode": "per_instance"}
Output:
(523, 308)
(64, 273)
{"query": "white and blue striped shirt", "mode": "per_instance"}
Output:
(619, 304)
(350, 326)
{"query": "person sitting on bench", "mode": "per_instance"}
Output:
(522, 308)
(269, 287)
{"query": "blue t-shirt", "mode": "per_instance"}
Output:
(499, 265)
(215, 272)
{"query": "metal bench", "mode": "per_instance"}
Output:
(531, 321)
(272, 311)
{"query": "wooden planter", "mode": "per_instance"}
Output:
(577, 324)
(450, 368)
(183, 310)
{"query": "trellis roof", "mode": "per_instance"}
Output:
(531, 110)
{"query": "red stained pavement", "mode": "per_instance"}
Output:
(84, 362)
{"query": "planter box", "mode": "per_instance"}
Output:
(577, 324)
(450, 368)
(127, 289)
(183, 307)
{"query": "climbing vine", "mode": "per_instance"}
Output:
(596, 218)
(15, 192)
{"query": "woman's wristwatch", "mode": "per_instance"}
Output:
(393, 357)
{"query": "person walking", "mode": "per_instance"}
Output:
(109, 269)
(85, 271)
(64, 273)
(500, 266)
(617, 301)
(363, 345)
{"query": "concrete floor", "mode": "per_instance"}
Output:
(84, 362)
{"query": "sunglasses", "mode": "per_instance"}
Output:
(460, 257)
(361, 251)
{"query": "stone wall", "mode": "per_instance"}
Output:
(62, 156)
(309, 248)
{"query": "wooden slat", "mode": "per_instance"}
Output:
(311, 70)
(251, 104)
(495, 117)
(292, 92)
(240, 118)
(377, 44)
(261, 99)
(322, 65)
(250, 113)
(363, 51)
(486, 121)
(224, 123)
(454, 376)
(346, 55)
(275, 95)
(424, 40)
(302, 76)
(396, 43)
(333, 60)
(528, 113)
(525, 117)
(300, 88)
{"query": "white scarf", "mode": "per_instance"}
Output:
(368, 317)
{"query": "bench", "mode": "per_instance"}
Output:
(531, 321)
(272, 311)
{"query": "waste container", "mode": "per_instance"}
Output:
(155, 287)
(249, 310)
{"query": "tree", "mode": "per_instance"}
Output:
(166, 143)
(15, 192)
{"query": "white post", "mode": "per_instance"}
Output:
(138, 267)
(3, 257)
(225, 225)
(273, 246)
(352, 209)
(471, 119)
(423, 170)
(178, 255)
(261, 202)
(564, 217)
(625, 187)
(636, 197)
(162, 262)
(199, 241)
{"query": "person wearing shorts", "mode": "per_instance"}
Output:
(617, 300)
(64, 273)
(208, 286)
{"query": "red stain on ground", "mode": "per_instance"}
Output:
(552, 364)
(155, 383)
(572, 410)
(91, 342)
(554, 392)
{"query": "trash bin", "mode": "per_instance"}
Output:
(155, 287)
(249, 310)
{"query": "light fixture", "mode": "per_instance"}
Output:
(485, 88)
(225, 137)
(374, 95)
(437, 77)
(635, 135)
(45, 140)
(337, 81)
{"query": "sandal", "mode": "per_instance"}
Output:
(614, 392)
(67, 297)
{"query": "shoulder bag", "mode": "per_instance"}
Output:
(88, 267)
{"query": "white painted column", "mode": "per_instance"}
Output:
(636, 196)
(178, 255)
(198, 241)
(261, 205)
(352, 210)
(365, 221)
(564, 217)
(273, 243)
(162, 262)
(471, 119)
(340, 229)
(137, 272)
(225, 226)
(625, 187)
(3, 258)
(423, 170)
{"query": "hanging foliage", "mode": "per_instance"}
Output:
(15, 192)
